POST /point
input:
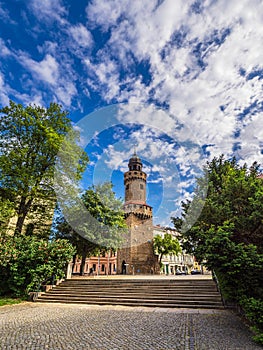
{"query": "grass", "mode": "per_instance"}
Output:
(9, 301)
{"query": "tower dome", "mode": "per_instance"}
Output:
(135, 163)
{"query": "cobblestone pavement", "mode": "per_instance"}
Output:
(56, 326)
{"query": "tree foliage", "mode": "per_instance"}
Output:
(228, 234)
(166, 245)
(31, 138)
(89, 238)
(25, 262)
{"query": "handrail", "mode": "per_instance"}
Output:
(215, 279)
(42, 282)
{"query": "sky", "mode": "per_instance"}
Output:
(179, 81)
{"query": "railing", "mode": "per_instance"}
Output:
(215, 279)
(34, 294)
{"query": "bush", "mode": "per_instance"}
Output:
(253, 312)
(25, 262)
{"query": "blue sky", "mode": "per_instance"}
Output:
(181, 80)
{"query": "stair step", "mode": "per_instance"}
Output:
(144, 303)
(120, 296)
(154, 293)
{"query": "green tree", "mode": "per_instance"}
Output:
(228, 234)
(84, 247)
(234, 196)
(165, 245)
(100, 228)
(31, 138)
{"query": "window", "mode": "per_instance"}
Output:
(127, 187)
(141, 186)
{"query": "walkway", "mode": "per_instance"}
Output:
(39, 326)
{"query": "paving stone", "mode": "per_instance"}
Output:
(38, 326)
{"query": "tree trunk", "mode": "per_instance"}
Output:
(74, 262)
(83, 259)
(23, 210)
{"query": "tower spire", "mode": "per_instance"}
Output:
(134, 149)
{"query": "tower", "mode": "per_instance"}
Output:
(138, 248)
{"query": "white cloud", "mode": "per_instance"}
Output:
(81, 35)
(48, 10)
(4, 50)
(4, 100)
(225, 36)
(105, 13)
(46, 70)
(106, 74)
(5, 16)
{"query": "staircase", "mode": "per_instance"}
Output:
(169, 293)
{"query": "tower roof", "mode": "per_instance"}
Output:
(135, 160)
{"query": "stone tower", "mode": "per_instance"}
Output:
(138, 248)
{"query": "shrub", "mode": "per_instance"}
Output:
(253, 312)
(25, 262)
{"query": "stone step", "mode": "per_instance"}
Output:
(140, 282)
(133, 285)
(166, 292)
(137, 294)
(155, 293)
(142, 289)
(136, 302)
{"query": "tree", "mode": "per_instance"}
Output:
(31, 138)
(234, 197)
(84, 248)
(166, 245)
(228, 234)
(103, 226)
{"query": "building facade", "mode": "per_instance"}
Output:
(105, 264)
(172, 264)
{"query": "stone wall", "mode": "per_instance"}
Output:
(137, 251)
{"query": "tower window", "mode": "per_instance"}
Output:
(141, 186)
(127, 187)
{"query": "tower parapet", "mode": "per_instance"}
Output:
(142, 211)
